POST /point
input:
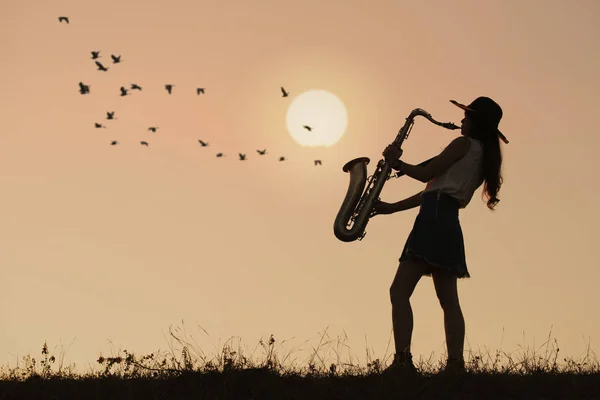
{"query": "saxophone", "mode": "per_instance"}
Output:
(357, 206)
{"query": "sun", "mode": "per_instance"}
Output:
(317, 118)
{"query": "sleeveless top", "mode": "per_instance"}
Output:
(463, 177)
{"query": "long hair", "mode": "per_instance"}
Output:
(492, 163)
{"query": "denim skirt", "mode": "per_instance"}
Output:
(436, 237)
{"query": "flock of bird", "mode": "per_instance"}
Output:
(110, 115)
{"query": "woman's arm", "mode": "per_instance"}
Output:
(435, 166)
(397, 165)
(417, 172)
(409, 202)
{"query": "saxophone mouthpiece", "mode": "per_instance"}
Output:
(450, 125)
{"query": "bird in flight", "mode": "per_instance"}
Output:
(282, 158)
(101, 67)
(204, 144)
(261, 152)
(317, 162)
(284, 93)
(95, 55)
(199, 90)
(134, 86)
(65, 19)
(124, 91)
(153, 129)
(144, 143)
(169, 88)
(116, 59)
(83, 89)
(114, 142)
(242, 156)
(219, 154)
(97, 125)
(308, 128)
(110, 115)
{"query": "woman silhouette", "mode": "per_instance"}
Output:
(435, 245)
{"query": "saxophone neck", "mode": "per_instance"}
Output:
(423, 113)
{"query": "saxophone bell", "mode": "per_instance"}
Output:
(352, 163)
(346, 215)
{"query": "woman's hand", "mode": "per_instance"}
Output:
(392, 153)
(381, 207)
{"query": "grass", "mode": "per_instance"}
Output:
(186, 373)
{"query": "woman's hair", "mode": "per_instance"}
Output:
(492, 162)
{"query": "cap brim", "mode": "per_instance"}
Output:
(502, 137)
(457, 104)
(500, 134)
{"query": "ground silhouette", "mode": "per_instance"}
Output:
(231, 375)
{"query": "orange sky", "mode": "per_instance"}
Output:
(104, 247)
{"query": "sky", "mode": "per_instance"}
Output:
(106, 247)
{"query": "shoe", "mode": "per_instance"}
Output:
(454, 367)
(402, 365)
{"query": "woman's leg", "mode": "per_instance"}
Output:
(405, 281)
(454, 323)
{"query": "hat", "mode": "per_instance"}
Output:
(486, 110)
